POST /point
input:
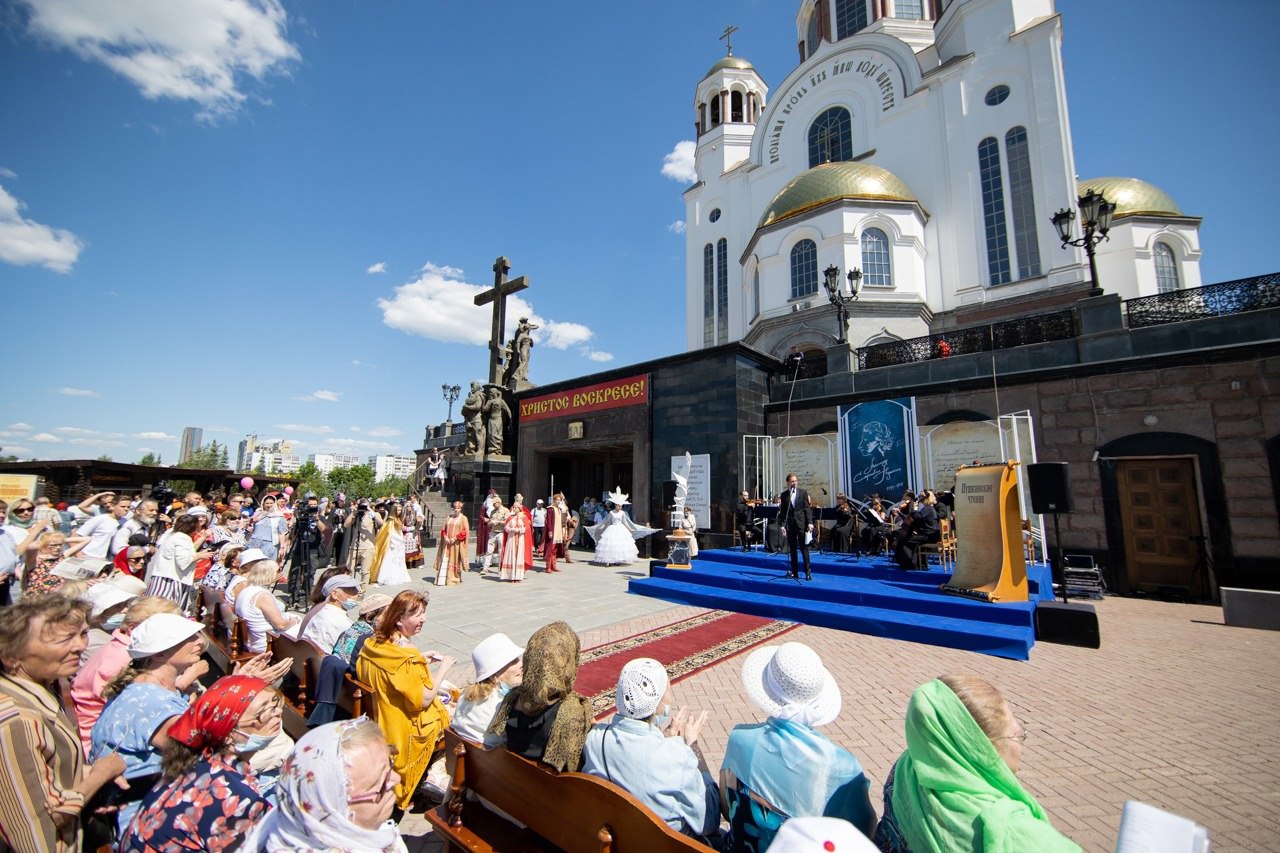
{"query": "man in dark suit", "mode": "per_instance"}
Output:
(744, 519)
(795, 519)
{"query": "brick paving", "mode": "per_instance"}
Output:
(1175, 709)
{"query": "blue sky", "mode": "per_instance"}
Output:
(276, 233)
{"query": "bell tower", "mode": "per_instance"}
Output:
(727, 105)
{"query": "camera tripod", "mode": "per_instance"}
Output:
(301, 572)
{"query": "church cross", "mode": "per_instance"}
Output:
(498, 296)
(727, 37)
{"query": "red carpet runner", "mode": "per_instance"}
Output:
(684, 648)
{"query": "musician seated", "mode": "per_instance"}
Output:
(744, 517)
(875, 526)
(842, 534)
(920, 527)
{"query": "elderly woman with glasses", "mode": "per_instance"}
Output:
(337, 791)
(18, 535)
(955, 787)
(47, 780)
(39, 577)
(208, 797)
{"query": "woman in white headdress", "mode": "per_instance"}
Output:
(616, 535)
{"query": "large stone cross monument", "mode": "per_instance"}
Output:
(502, 288)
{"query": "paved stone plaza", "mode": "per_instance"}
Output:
(1175, 709)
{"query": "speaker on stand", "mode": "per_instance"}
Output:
(1051, 493)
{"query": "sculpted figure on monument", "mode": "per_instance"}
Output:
(497, 414)
(517, 354)
(473, 415)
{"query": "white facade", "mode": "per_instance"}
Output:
(940, 147)
(385, 467)
(274, 463)
(326, 462)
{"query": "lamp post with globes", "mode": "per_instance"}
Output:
(451, 393)
(840, 297)
(1095, 219)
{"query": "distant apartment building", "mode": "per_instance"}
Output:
(274, 463)
(191, 438)
(391, 466)
(246, 450)
(326, 462)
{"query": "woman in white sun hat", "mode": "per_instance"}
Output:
(784, 767)
(499, 667)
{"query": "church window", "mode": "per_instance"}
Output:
(813, 33)
(831, 137)
(1022, 202)
(851, 16)
(909, 9)
(715, 110)
(735, 107)
(996, 95)
(1166, 269)
(755, 293)
(708, 296)
(876, 270)
(714, 215)
(804, 269)
(722, 291)
(993, 210)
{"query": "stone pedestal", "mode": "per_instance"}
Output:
(473, 478)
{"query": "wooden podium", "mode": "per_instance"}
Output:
(990, 562)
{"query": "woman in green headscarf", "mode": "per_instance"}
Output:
(954, 788)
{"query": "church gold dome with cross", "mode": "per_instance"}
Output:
(831, 181)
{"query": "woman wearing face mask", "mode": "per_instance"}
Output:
(268, 528)
(208, 797)
(498, 669)
(324, 626)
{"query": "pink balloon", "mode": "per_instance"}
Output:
(288, 490)
(246, 482)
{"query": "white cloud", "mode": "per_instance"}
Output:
(218, 429)
(18, 451)
(326, 396)
(384, 431)
(440, 305)
(194, 50)
(75, 392)
(24, 242)
(7, 173)
(77, 431)
(46, 438)
(156, 436)
(358, 363)
(380, 266)
(597, 355)
(349, 444)
(97, 442)
(677, 227)
(20, 427)
(317, 430)
(678, 165)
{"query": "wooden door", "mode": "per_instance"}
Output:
(1160, 514)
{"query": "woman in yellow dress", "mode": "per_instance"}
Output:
(408, 704)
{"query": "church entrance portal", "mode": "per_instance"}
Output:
(590, 472)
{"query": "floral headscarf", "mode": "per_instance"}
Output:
(212, 717)
(311, 813)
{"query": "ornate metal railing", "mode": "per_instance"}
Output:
(1037, 329)
(1214, 300)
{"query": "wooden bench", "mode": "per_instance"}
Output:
(575, 812)
(228, 640)
(299, 692)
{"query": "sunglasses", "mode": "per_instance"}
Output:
(23, 510)
(137, 559)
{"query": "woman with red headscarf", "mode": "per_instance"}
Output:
(209, 798)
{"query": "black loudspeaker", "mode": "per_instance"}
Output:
(668, 495)
(1050, 489)
(1068, 624)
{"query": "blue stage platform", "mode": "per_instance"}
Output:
(866, 594)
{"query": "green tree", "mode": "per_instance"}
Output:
(395, 486)
(105, 458)
(222, 458)
(150, 458)
(356, 481)
(202, 457)
(311, 479)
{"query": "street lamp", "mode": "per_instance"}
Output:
(839, 296)
(451, 393)
(1095, 218)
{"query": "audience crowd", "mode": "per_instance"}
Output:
(116, 732)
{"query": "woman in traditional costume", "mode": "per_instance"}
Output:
(451, 553)
(388, 568)
(517, 543)
(616, 535)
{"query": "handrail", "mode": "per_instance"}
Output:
(1036, 329)
(1212, 300)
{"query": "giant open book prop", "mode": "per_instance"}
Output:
(990, 563)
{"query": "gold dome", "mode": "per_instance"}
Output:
(831, 181)
(1132, 197)
(729, 62)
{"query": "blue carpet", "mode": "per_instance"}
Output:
(867, 595)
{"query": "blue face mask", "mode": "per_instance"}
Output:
(350, 604)
(254, 743)
(503, 688)
(113, 623)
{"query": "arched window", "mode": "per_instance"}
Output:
(804, 269)
(1166, 269)
(993, 210)
(735, 106)
(910, 9)
(755, 294)
(722, 291)
(876, 271)
(715, 110)
(1022, 200)
(831, 137)
(708, 296)
(851, 16)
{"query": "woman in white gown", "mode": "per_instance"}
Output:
(389, 567)
(616, 535)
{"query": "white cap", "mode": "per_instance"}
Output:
(820, 835)
(251, 555)
(493, 654)
(339, 582)
(103, 596)
(641, 685)
(162, 631)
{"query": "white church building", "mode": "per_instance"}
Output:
(925, 144)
